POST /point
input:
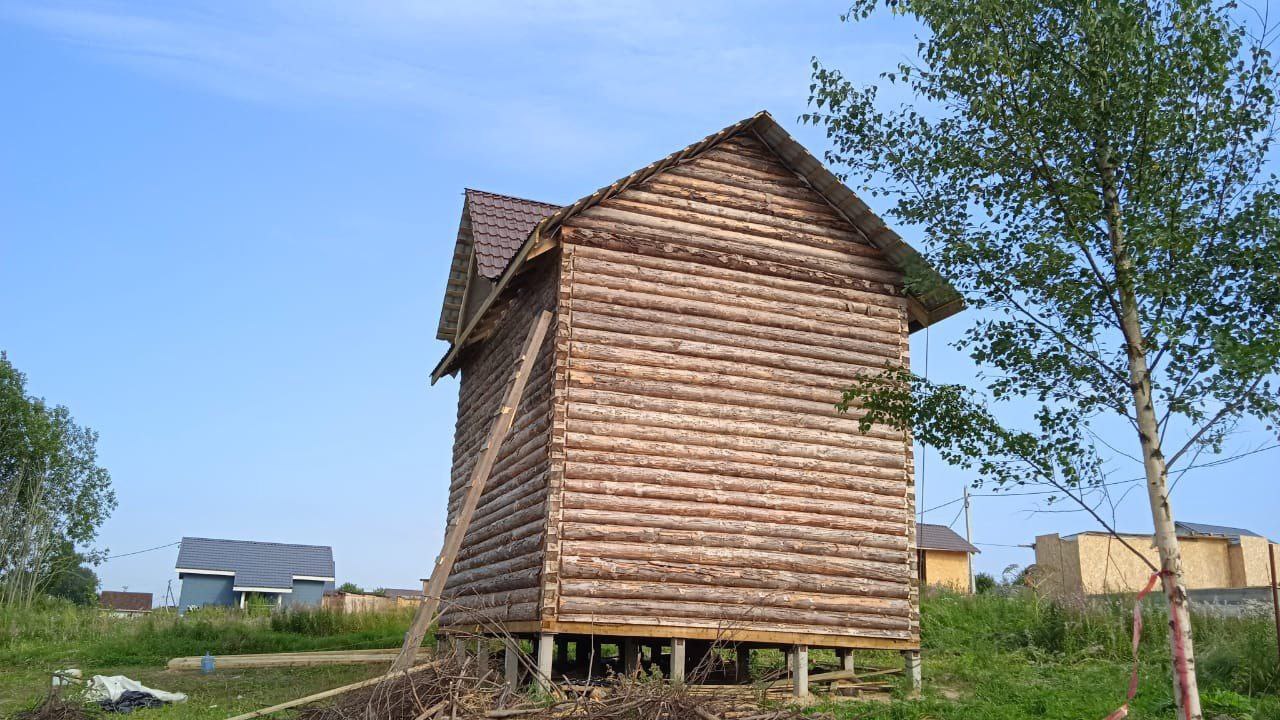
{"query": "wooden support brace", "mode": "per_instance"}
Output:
(457, 530)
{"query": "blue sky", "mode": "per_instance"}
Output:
(225, 230)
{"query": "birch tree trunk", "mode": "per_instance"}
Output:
(1186, 692)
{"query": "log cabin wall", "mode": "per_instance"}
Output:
(496, 576)
(709, 319)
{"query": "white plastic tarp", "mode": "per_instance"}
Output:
(111, 687)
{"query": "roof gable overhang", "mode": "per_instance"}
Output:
(930, 298)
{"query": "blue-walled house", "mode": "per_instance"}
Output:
(234, 573)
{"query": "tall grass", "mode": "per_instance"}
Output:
(62, 632)
(1232, 654)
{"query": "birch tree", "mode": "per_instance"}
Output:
(1093, 176)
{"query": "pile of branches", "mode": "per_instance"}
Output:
(56, 707)
(453, 689)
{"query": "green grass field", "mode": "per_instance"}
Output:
(987, 656)
(35, 643)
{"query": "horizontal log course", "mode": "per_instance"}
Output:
(781, 448)
(726, 538)
(680, 273)
(726, 162)
(785, 353)
(792, 341)
(633, 489)
(840, 242)
(515, 463)
(673, 397)
(622, 503)
(531, 494)
(506, 524)
(727, 176)
(741, 353)
(598, 568)
(766, 490)
(531, 529)
(626, 222)
(647, 242)
(764, 531)
(459, 580)
(744, 430)
(605, 608)
(729, 197)
(862, 480)
(730, 629)
(864, 328)
(510, 580)
(581, 438)
(500, 614)
(850, 319)
(746, 597)
(708, 360)
(585, 370)
(531, 545)
(737, 559)
(494, 598)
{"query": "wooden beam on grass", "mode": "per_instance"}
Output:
(430, 604)
(326, 694)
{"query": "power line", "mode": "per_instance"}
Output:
(139, 552)
(939, 507)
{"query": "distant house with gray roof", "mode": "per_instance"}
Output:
(234, 573)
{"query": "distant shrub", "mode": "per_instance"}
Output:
(983, 583)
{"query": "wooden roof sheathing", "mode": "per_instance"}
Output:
(930, 301)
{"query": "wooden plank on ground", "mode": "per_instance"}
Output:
(295, 659)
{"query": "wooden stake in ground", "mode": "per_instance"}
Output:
(479, 477)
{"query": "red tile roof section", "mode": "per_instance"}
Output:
(119, 600)
(499, 225)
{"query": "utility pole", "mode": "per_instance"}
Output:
(968, 536)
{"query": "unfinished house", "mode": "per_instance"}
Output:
(676, 472)
(1214, 557)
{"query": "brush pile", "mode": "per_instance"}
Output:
(453, 689)
(56, 707)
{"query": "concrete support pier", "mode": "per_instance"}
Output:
(800, 671)
(911, 662)
(546, 654)
(677, 660)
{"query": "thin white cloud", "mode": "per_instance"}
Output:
(486, 74)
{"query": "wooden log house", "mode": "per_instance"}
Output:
(676, 472)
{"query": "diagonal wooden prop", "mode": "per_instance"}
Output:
(430, 604)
